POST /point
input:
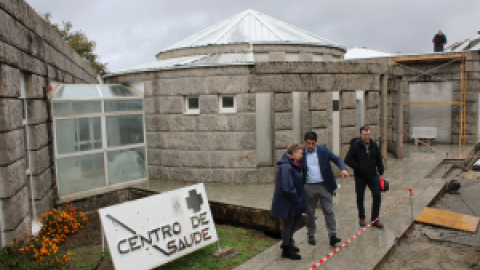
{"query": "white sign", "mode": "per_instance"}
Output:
(149, 232)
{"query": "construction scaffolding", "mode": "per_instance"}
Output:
(463, 84)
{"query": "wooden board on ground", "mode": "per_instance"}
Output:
(447, 219)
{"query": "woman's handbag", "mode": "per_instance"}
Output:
(384, 185)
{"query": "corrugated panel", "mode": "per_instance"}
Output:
(198, 60)
(168, 63)
(250, 27)
(469, 44)
(230, 58)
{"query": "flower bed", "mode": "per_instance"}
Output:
(41, 251)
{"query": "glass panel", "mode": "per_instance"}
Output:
(228, 102)
(125, 165)
(123, 105)
(82, 134)
(124, 130)
(80, 173)
(117, 91)
(193, 103)
(66, 108)
(77, 91)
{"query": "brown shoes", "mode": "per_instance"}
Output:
(361, 222)
(378, 224)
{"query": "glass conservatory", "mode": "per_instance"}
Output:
(99, 139)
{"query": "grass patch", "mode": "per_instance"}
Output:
(86, 258)
(247, 242)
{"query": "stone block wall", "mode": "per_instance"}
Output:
(221, 148)
(32, 55)
(205, 147)
(317, 82)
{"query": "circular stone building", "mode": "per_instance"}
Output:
(210, 118)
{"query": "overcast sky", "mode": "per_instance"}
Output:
(129, 33)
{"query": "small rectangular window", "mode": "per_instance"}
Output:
(228, 104)
(192, 105)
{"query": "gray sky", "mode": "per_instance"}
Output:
(129, 33)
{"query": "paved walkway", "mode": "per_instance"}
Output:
(371, 246)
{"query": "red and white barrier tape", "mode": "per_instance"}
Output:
(333, 252)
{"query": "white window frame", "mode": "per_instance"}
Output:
(187, 110)
(221, 109)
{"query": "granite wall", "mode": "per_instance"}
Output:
(32, 56)
(221, 148)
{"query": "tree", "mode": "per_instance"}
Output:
(80, 43)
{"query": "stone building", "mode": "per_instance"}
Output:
(32, 56)
(223, 104)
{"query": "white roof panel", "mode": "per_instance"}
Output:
(250, 26)
(359, 53)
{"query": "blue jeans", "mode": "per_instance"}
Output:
(438, 49)
(374, 186)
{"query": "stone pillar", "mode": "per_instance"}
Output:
(263, 129)
(400, 136)
(336, 123)
(384, 114)
(297, 117)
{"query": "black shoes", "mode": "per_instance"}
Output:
(311, 240)
(288, 252)
(334, 239)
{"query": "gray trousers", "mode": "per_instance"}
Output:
(315, 192)
(290, 225)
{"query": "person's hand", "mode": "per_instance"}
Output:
(380, 176)
(345, 174)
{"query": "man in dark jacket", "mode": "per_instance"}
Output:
(320, 185)
(364, 158)
(439, 40)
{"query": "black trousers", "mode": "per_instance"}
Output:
(374, 186)
(290, 225)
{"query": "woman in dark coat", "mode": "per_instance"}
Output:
(289, 201)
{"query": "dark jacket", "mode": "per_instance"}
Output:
(324, 158)
(364, 165)
(289, 196)
(439, 40)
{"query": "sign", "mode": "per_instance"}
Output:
(149, 232)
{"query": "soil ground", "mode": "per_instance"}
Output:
(430, 247)
(416, 251)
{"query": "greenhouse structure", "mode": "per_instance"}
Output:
(99, 139)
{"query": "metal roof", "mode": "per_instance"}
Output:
(359, 53)
(192, 61)
(251, 26)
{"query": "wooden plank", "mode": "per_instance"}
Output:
(448, 219)
(446, 57)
